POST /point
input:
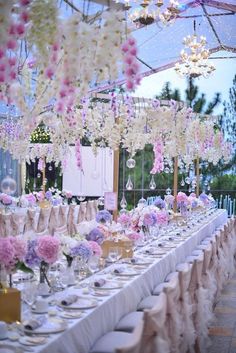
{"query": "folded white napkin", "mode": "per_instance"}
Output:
(34, 323)
(99, 282)
(70, 299)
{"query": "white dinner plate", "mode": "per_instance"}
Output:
(52, 325)
(80, 304)
(69, 314)
(32, 341)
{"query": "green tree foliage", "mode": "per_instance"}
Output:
(193, 97)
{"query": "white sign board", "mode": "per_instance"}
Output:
(97, 175)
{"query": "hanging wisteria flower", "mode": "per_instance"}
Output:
(78, 154)
(131, 64)
(103, 216)
(96, 248)
(158, 164)
(95, 235)
(159, 203)
(48, 248)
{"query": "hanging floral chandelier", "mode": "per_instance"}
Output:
(194, 60)
(145, 12)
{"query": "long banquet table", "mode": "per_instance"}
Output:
(83, 332)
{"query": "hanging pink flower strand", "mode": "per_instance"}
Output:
(158, 165)
(78, 154)
(131, 64)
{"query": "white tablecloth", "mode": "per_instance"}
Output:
(82, 333)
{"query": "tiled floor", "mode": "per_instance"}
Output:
(223, 329)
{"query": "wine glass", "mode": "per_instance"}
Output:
(29, 293)
(93, 266)
(114, 254)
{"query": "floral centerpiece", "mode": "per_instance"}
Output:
(96, 235)
(43, 251)
(103, 216)
(182, 202)
(13, 251)
(159, 203)
(31, 199)
(5, 200)
(125, 220)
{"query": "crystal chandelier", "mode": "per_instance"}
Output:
(145, 12)
(194, 61)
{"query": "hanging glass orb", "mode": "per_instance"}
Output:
(38, 175)
(211, 181)
(129, 185)
(123, 202)
(166, 170)
(200, 177)
(34, 185)
(8, 185)
(206, 183)
(50, 168)
(168, 191)
(190, 190)
(55, 184)
(152, 184)
(208, 188)
(10, 171)
(45, 181)
(101, 201)
(187, 180)
(182, 183)
(27, 181)
(142, 202)
(171, 170)
(131, 163)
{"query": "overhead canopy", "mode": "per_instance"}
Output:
(160, 46)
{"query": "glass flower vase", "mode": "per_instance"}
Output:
(44, 285)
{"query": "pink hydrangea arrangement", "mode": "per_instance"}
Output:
(31, 198)
(5, 199)
(95, 247)
(162, 218)
(47, 248)
(182, 197)
(124, 219)
(149, 219)
(7, 252)
(12, 253)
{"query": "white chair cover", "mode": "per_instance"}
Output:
(30, 225)
(43, 221)
(61, 230)
(70, 220)
(82, 212)
(54, 219)
(18, 222)
(63, 215)
(6, 220)
(155, 337)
